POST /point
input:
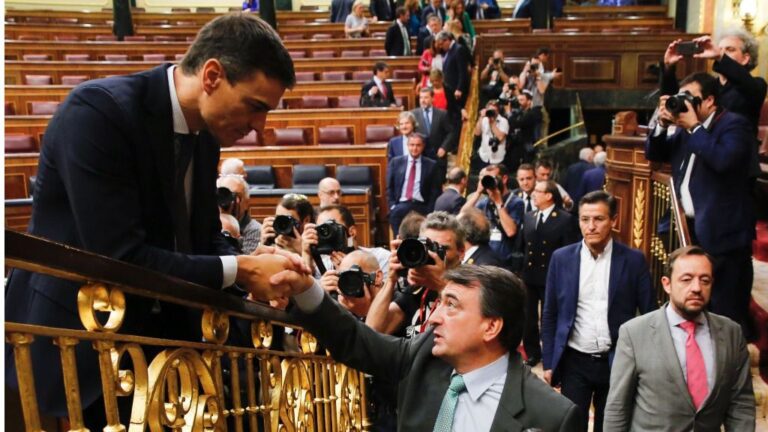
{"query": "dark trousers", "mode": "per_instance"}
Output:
(732, 287)
(401, 209)
(585, 381)
(531, 340)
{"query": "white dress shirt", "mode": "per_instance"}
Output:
(703, 339)
(547, 211)
(417, 182)
(406, 38)
(477, 406)
(380, 84)
(468, 254)
(685, 191)
(228, 263)
(590, 333)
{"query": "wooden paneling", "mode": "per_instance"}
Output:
(90, 31)
(594, 70)
(508, 25)
(614, 11)
(15, 70)
(17, 215)
(625, 24)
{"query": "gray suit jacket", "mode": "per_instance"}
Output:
(439, 133)
(526, 401)
(648, 389)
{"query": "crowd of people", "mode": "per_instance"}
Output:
(438, 316)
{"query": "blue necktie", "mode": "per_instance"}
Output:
(427, 123)
(444, 422)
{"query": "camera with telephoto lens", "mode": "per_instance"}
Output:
(331, 237)
(352, 282)
(284, 225)
(414, 253)
(489, 182)
(225, 198)
(676, 104)
(490, 113)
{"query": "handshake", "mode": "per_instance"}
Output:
(271, 273)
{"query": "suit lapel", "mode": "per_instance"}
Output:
(661, 334)
(617, 270)
(160, 129)
(721, 356)
(572, 286)
(511, 402)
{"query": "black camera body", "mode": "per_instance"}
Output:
(676, 104)
(688, 48)
(225, 198)
(284, 225)
(352, 282)
(331, 237)
(494, 143)
(489, 182)
(490, 113)
(414, 253)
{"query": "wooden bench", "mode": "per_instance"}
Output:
(91, 31)
(614, 25)
(615, 11)
(20, 96)
(16, 70)
(336, 30)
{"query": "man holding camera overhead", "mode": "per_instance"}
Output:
(709, 149)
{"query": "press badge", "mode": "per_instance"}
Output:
(495, 234)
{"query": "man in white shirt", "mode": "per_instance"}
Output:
(593, 287)
(492, 128)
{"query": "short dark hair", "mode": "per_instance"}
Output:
(455, 176)
(379, 66)
(244, 44)
(599, 196)
(477, 229)
(545, 163)
(710, 86)
(443, 35)
(419, 136)
(526, 167)
(346, 215)
(400, 11)
(542, 50)
(302, 206)
(410, 227)
(502, 295)
(503, 170)
(427, 89)
(685, 251)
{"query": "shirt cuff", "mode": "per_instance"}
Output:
(229, 267)
(658, 130)
(310, 300)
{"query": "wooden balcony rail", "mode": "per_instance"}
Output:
(183, 386)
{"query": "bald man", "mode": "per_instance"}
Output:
(369, 266)
(250, 230)
(232, 166)
(329, 192)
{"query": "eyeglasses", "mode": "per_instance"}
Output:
(295, 196)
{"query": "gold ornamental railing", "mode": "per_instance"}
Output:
(668, 227)
(467, 137)
(183, 387)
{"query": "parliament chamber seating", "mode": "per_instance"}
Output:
(10, 109)
(354, 176)
(405, 74)
(348, 102)
(352, 53)
(36, 57)
(154, 57)
(305, 76)
(116, 57)
(43, 108)
(379, 134)
(65, 38)
(290, 137)
(73, 79)
(38, 79)
(250, 140)
(323, 54)
(135, 38)
(334, 135)
(362, 75)
(260, 177)
(377, 53)
(105, 38)
(19, 143)
(314, 102)
(297, 54)
(308, 176)
(333, 76)
(77, 57)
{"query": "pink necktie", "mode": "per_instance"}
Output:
(411, 182)
(694, 366)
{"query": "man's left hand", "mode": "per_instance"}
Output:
(457, 94)
(271, 273)
(710, 51)
(430, 275)
(688, 119)
(441, 153)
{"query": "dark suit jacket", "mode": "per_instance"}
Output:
(378, 100)
(455, 73)
(340, 9)
(439, 133)
(382, 9)
(105, 184)
(557, 231)
(394, 43)
(592, 180)
(573, 176)
(629, 292)
(420, 37)
(395, 147)
(430, 184)
(526, 401)
(450, 201)
(720, 184)
(441, 12)
(484, 255)
(492, 12)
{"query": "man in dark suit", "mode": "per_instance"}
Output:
(435, 8)
(397, 41)
(455, 80)
(477, 235)
(378, 92)
(452, 198)
(682, 368)
(544, 231)
(593, 287)
(483, 9)
(434, 125)
(340, 9)
(109, 182)
(411, 183)
(432, 26)
(475, 328)
(710, 154)
(526, 181)
(577, 169)
(593, 179)
(382, 9)
(398, 145)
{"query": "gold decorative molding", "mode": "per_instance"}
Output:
(638, 219)
(98, 297)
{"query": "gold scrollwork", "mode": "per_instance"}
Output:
(183, 393)
(98, 297)
(215, 326)
(296, 398)
(134, 382)
(261, 334)
(307, 342)
(349, 391)
(272, 389)
(637, 221)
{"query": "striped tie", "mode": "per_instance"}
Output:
(444, 422)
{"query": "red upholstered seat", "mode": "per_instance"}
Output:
(334, 135)
(38, 79)
(37, 20)
(362, 75)
(10, 108)
(36, 57)
(77, 57)
(379, 34)
(290, 136)
(190, 39)
(322, 36)
(323, 54)
(105, 38)
(164, 38)
(352, 53)
(154, 57)
(567, 30)
(314, 101)
(305, 76)
(19, 143)
(66, 38)
(30, 38)
(377, 134)
(73, 79)
(333, 76)
(296, 36)
(43, 107)
(297, 54)
(178, 57)
(116, 57)
(377, 53)
(399, 101)
(250, 140)
(135, 38)
(349, 102)
(540, 31)
(404, 74)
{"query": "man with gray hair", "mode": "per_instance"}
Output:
(593, 179)
(477, 235)
(576, 171)
(237, 205)
(232, 166)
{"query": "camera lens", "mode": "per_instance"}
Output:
(412, 253)
(488, 182)
(351, 283)
(283, 225)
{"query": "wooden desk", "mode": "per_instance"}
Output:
(507, 25)
(615, 11)
(17, 214)
(20, 96)
(623, 24)
(15, 70)
(90, 31)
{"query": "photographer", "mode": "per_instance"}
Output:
(492, 129)
(536, 79)
(284, 229)
(493, 77)
(504, 211)
(355, 283)
(709, 151)
(402, 310)
(233, 197)
(523, 124)
(230, 228)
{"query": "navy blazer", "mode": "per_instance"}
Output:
(573, 176)
(450, 201)
(378, 100)
(439, 133)
(430, 184)
(455, 72)
(105, 184)
(720, 182)
(629, 291)
(592, 180)
(395, 147)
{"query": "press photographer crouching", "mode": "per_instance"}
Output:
(491, 129)
(284, 229)
(355, 283)
(232, 197)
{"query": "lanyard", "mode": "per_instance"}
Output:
(423, 308)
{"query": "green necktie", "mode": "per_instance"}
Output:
(444, 421)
